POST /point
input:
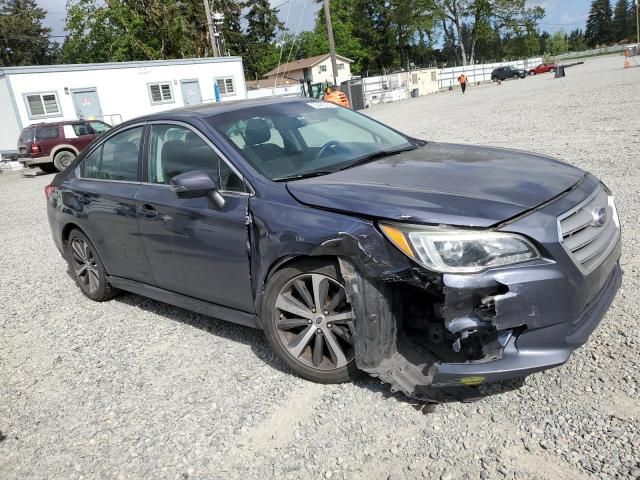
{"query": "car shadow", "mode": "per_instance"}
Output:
(256, 340)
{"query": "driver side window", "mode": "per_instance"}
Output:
(174, 150)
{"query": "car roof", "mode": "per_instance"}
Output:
(211, 109)
(57, 124)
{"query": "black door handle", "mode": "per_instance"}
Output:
(148, 211)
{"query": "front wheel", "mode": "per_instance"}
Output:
(494, 78)
(516, 76)
(309, 323)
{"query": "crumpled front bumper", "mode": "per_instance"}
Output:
(533, 350)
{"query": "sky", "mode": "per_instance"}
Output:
(560, 14)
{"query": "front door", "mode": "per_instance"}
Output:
(192, 248)
(191, 92)
(86, 103)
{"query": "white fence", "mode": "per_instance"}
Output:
(595, 51)
(448, 77)
(284, 91)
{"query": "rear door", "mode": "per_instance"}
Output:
(24, 142)
(86, 103)
(193, 248)
(104, 199)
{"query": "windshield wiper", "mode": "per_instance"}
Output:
(299, 176)
(379, 154)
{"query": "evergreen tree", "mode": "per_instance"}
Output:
(23, 39)
(620, 22)
(576, 41)
(232, 35)
(632, 27)
(599, 29)
(263, 25)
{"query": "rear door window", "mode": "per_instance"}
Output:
(47, 133)
(26, 136)
(115, 159)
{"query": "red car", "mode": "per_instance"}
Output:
(543, 68)
(53, 146)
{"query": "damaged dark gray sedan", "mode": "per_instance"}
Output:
(434, 267)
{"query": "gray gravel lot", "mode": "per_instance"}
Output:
(134, 388)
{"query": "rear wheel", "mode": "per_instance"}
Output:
(309, 323)
(87, 269)
(48, 167)
(63, 159)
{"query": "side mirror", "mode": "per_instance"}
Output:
(196, 184)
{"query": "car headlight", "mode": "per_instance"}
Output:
(459, 251)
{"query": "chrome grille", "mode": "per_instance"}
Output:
(590, 231)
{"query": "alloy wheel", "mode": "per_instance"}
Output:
(314, 321)
(85, 265)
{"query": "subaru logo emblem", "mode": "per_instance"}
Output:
(599, 216)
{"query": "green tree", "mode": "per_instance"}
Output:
(599, 30)
(232, 35)
(263, 25)
(483, 17)
(557, 44)
(632, 26)
(620, 21)
(576, 41)
(134, 30)
(23, 39)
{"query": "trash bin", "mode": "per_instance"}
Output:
(560, 71)
(415, 93)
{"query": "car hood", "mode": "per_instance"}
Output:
(441, 184)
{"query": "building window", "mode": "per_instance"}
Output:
(341, 66)
(42, 104)
(160, 93)
(323, 68)
(226, 86)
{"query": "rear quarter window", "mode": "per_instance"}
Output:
(47, 133)
(26, 135)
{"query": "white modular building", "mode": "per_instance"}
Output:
(112, 92)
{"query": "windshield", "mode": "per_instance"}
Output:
(294, 139)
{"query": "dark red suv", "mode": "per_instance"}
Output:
(53, 146)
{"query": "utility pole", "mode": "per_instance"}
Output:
(212, 36)
(332, 45)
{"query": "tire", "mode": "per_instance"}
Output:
(516, 76)
(87, 269)
(63, 159)
(312, 346)
(48, 168)
(494, 78)
(532, 73)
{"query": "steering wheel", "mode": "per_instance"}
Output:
(325, 149)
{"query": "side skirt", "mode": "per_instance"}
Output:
(188, 303)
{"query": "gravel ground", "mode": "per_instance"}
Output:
(134, 388)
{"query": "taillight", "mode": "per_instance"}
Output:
(48, 191)
(35, 148)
